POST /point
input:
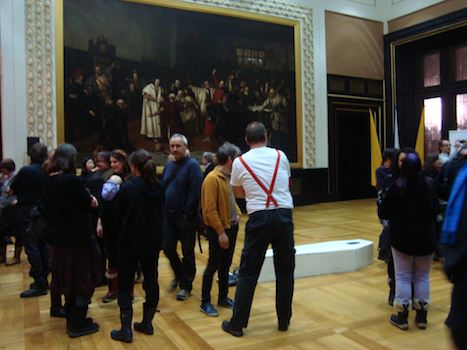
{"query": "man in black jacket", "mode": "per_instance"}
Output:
(182, 179)
(27, 186)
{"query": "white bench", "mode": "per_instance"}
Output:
(324, 258)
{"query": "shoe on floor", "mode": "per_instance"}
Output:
(227, 327)
(183, 294)
(226, 302)
(109, 297)
(33, 292)
(209, 310)
(173, 284)
(87, 328)
(57, 311)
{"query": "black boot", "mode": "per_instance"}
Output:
(145, 326)
(77, 323)
(57, 311)
(3, 254)
(420, 317)
(125, 334)
(400, 320)
(392, 291)
(36, 289)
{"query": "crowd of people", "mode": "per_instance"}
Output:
(423, 213)
(212, 107)
(110, 223)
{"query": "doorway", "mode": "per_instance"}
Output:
(350, 146)
(353, 154)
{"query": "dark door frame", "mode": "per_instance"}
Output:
(336, 104)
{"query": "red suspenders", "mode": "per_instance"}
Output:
(270, 198)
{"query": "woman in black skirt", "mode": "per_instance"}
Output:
(66, 206)
(139, 216)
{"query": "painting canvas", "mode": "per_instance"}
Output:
(136, 73)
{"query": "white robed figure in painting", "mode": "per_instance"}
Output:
(150, 116)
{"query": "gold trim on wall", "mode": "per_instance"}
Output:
(182, 5)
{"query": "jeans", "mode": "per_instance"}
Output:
(220, 261)
(412, 270)
(263, 228)
(183, 230)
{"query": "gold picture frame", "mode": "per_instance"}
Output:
(199, 8)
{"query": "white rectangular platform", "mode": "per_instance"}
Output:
(324, 258)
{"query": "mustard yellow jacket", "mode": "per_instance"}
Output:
(215, 201)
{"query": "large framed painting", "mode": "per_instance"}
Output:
(132, 73)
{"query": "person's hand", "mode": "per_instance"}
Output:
(99, 229)
(238, 219)
(94, 202)
(223, 241)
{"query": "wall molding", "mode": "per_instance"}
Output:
(40, 70)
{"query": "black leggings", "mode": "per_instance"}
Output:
(127, 265)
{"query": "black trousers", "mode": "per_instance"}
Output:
(35, 246)
(184, 231)
(220, 261)
(127, 265)
(263, 228)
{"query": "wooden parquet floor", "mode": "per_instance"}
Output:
(340, 311)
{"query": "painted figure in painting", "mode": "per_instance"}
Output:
(150, 116)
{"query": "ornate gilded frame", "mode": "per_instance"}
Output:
(273, 11)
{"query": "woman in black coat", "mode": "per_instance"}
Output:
(411, 205)
(139, 219)
(107, 227)
(66, 206)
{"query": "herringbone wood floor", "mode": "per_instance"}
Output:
(341, 311)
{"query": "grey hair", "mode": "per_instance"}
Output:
(181, 137)
(209, 156)
(225, 151)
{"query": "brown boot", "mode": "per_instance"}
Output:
(112, 294)
(16, 259)
(3, 254)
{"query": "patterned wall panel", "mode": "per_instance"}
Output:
(40, 82)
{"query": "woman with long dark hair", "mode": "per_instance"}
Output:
(107, 227)
(66, 206)
(139, 219)
(94, 182)
(411, 206)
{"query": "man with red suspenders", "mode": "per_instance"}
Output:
(261, 176)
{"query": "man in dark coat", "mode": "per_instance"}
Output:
(182, 179)
(27, 186)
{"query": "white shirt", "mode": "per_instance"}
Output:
(262, 161)
(443, 157)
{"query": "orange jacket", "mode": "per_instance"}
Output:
(215, 201)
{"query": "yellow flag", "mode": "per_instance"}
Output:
(376, 157)
(420, 143)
